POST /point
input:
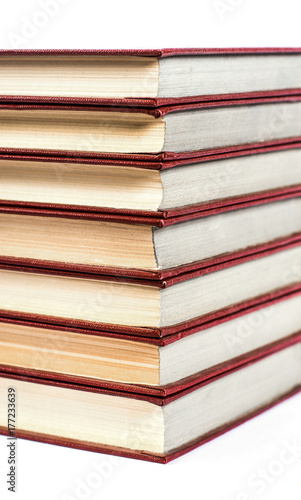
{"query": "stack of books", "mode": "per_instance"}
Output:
(150, 244)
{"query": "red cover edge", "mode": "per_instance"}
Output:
(166, 158)
(158, 111)
(229, 150)
(102, 52)
(144, 102)
(165, 52)
(234, 202)
(144, 217)
(157, 162)
(115, 161)
(110, 216)
(228, 50)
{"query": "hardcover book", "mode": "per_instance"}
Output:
(149, 77)
(148, 307)
(144, 365)
(166, 189)
(144, 426)
(150, 285)
(178, 131)
(145, 247)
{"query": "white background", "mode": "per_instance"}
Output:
(233, 466)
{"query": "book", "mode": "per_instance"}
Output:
(165, 189)
(143, 311)
(177, 131)
(143, 306)
(149, 427)
(148, 248)
(150, 76)
(146, 365)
